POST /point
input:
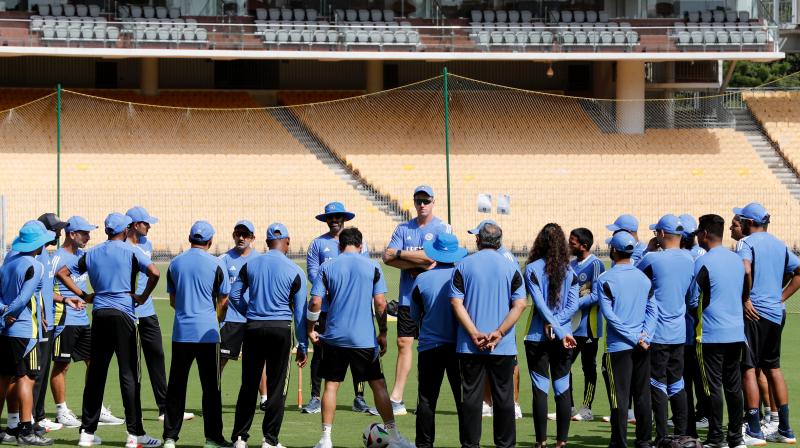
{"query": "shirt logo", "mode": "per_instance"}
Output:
(327, 249)
(232, 268)
(428, 236)
(408, 237)
(582, 277)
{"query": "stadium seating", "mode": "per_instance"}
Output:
(779, 114)
(181, 164)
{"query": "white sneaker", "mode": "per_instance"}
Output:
(702, 423)
(551, 416)
(323, 443)
(631, 417)
(239, 443)
(68, 419)
(584, 414)
(749, 440)
(517, 411)
(169, 443)
(606, 419)
(88, 439)
(398, 441)
(264, 444)
(146, 441)
(186, 416)
(49, 425)
(131, 441)
(107, 418)
(486, 411)
(398, 407)
(779, 436)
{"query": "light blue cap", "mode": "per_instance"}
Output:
(277, 231)
(753, 211)
(628, 223)
(139, 214)
(247, 225)
(669, 223)
(444, 248)
(424, 189)
(622, 241)
(201, 231)
(117, 222)
(480, 226)
(79, 224)
(689, 224)
(32, 235)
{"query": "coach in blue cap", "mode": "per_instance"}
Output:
(630, 224)
(326, 247)
(197, 284)
(431, 310)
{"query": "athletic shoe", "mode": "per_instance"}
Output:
(107, 418)
(263, 406)
(517, 411)
(572, 412)
(186, 416)
(214, 444)
(5, 437)
(88, 439)
(68, 419)
(398, 407)
(323, 444)
(49, 425)
(753, 439)
(239, 443)
(584, 414)
(631, 417)
(781, 436)
(33, 439)
(360, 405)
(486, 411)
(38, 429)
(606, 419)
(264, 444)
(146, 441)
(169, 443)
(715, 445)
(398, 441)
(551, 416)
(701, 424)
(741, 445)
(314, 406)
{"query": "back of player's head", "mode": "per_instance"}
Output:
(490, 237)
(713, 225)
(350, 236)
(584, 237)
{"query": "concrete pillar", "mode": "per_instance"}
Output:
(148, 77)
(374, 76)
(630, 86)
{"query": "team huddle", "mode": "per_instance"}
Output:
(683, 318)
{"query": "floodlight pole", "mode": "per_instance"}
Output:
(58, 150)
(447, 142)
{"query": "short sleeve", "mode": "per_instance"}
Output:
(318, 288)
(170, 281)
(222, 280)
(397, 239)
(517, 287)
(457, 284)
(78, 265)
(379, 282)
(142, 260)
(792, 262)
(744, 250)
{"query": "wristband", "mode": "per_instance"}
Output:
(399, 251)
(83, 295)
(312, 316)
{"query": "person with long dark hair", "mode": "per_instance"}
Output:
(553, 286)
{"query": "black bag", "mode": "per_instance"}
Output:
(679, 442)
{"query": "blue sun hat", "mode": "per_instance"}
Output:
(444, 248)
(335, 208)
(32, 235)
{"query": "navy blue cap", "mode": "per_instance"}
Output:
(117, 222)
(628, 223)
(247, 225)
(201, 231)
(669, 224)
(689, 224)
(32, 235)
(51, 221)
(335, 208)
(424, 189)
(753, 211)
(78, 224)
(444, 248)
(139, 214)
(622, 241)
(480, 226)
(277, 231)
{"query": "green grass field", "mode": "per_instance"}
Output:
(303, 430)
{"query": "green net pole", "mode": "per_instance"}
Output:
(447, 142)
(58, 150)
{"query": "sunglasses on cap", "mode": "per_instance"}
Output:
(421, 201)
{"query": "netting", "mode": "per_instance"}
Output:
(558, 159)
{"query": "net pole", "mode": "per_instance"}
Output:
(58, 150)
(3, 227)
(447, 142)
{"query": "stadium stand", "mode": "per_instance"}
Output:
(779, 115)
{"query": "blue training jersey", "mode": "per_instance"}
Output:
(431, 309)
(587, 271)
(324, 248)
(62, 258)
(233, 261)
(627, 306)
(769, 259)
(146, 309)
(409, 236)
(559, 316)
(197, 279)
(348, 284)
(691, 318)
(488, 285)
(277, 289)
(112, 267)
(46, 293)
(716, 301)
(671, 272)
(20, 284)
